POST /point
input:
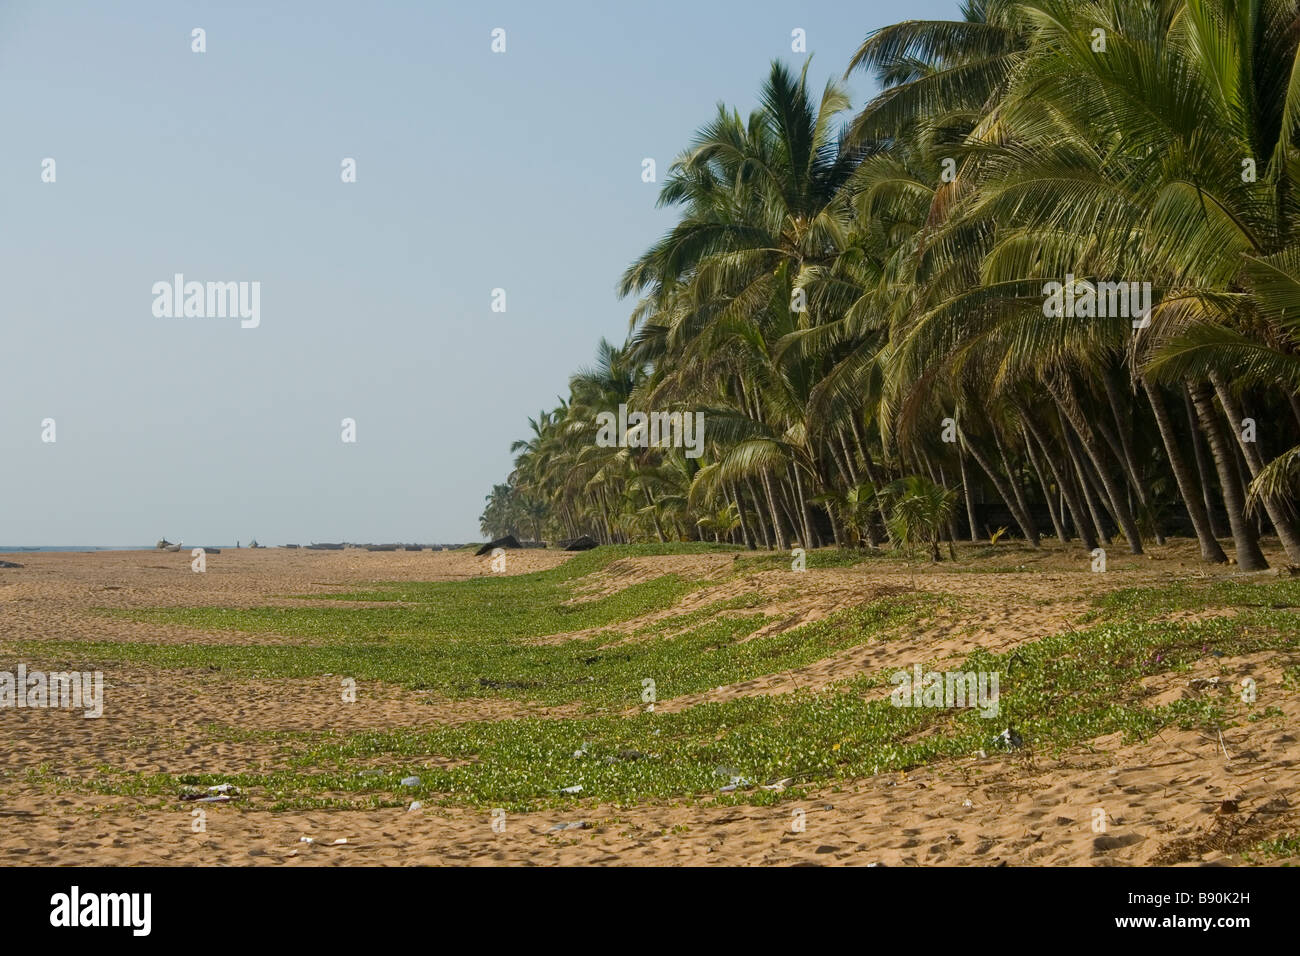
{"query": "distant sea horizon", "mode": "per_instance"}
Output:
(5, 548)
(15, 549)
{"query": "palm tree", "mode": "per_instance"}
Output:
(918, 511)
(862, 305)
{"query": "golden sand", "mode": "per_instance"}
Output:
(1177, 798)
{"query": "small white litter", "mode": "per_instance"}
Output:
(1009, 739)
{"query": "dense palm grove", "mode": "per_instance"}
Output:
(856, 300)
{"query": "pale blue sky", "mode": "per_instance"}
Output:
(475, 171)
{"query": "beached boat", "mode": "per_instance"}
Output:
(509, 541)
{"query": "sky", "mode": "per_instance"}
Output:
(475, 171)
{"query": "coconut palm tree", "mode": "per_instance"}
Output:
(865, 306)
(918, 511)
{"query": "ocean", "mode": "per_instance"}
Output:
(7, 549)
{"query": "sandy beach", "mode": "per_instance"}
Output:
(1181, 797)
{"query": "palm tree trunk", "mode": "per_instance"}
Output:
(654, 516)
(839, 465)
(1202, 466)
(776, 517)
(967, 490)
(874, 477)
(939, 480)
(740, 511)
(1122, 445)
(848, 457)
(1210, 549)
(1283, 522)
(1088, 438)
(952, 517)
(1047, 489)
(803, 507)
(1069, 494)
(1249, 557)
(788, 510)
(1014, 479)
(758, 514)
(1098, 525)
(1008, 495)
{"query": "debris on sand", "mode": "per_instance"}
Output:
(1009, 739)
(734, 779)
(221, 793)
(9, 564)
(578, 825)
